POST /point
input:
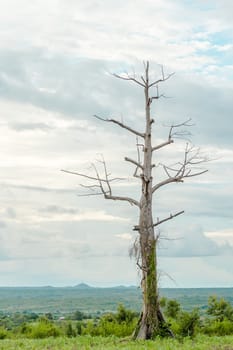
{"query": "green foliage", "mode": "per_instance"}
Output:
(78, 315)
(172, 308)
(79, 328)
(70, 331)
(219, 328)
(125, 315)
(220, 309)
(120, 324)
(3, 333)
(163, 302)
(42, 329)
(188, 323)
(108, 328)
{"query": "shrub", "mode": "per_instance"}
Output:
(70, 332)
(3, 333)
(120, 324)
(79, 328)
(217, 327)
(124, 315)
(42, 329)
(188, 323)
(172, 308)
(220, 308)
(78, 316)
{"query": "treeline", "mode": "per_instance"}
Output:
(217, 320)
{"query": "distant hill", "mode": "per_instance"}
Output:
(82, 286)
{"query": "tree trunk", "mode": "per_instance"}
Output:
(151, 321)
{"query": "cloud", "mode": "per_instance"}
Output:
(11, 213)
(29, 126)
(58, 210)
(192, 242)
(2, 224)
(125, 236)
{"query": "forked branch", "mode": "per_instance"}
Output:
(187, 168)
(131, 78)
(144, 82)
(102, 184)
(174, 132)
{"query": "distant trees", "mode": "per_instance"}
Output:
(219, 308)
(216, 319)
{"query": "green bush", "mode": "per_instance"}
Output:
(217, 327)
(106, 328)
(220, 309)
(79, 328)
(172, 308)
(188, 323)
(41, 329)
(120, 324)
(3, 333)
(124, 315)
(70, 332)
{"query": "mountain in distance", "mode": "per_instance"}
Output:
(82, 286)
(86, 286)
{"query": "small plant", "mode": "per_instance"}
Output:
(188, 323)
(172, 308)
(220, 309)
(70, 332)
(219, 328)
(3, 333)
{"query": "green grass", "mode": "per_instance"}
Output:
(110, 343)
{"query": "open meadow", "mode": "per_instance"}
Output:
(110, 343)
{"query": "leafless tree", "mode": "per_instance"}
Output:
(151, 320)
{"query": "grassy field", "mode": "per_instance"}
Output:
(86, 342)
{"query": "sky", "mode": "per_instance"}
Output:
(57, 62)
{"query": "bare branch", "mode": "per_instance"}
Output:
(84, 175)
(185, 169)
(161, 80)
(168, 218)
(103, 184)
(175, 134)
(122, 125)
(90, 194)
(138, 165)
(166, 182)
(168, 142)
(119, 198)
(130, 78)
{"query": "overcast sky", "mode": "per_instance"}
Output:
(56, 60)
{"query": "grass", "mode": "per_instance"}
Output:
(110, 343)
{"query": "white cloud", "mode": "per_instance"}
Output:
(125, 236)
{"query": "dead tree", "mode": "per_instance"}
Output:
(151, 321)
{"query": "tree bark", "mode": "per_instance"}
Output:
(151, 320)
